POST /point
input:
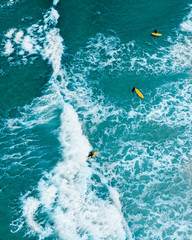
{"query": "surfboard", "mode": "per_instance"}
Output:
(139, 93)
(156, 34)
(94, 154)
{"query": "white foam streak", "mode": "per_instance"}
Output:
(74, 137)
(55, 2)
(18, 37)
(30, 207)
(51, 18)
(28, 45)
(53, 49)
(10, 33)
(173, 110)
(65, 193)
(8, 48)
(48, 194)
(115, 196)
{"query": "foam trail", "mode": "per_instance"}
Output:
(115, 196)
(30, 207)
(8, 48)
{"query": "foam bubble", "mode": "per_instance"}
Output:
(186, 26)
(28, 45)
(30, 207)
(53, 49)
(8, 48)
(51, 18)
(48, 194)
(18, 36)
(10, 32)
(55, 2)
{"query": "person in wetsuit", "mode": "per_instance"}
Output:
(133, 89)
(91, 154)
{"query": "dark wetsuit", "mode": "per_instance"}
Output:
(91, 154)
(133, 89)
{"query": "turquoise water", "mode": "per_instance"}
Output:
(67, 71)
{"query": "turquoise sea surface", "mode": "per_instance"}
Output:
(67, 72)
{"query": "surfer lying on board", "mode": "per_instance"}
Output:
(91, 154)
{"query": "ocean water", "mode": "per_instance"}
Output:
(67, 71)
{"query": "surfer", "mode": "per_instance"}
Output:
(155, 31)
(91, 154)
(138, 92)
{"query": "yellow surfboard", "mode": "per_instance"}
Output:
(94, 154)
(156, 34)
(139, 93)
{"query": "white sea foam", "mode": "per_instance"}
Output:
(18, 36)
(8, 48)
(55, 2)
(143, 173)
(10, 32)
(30, 207)
(34, 40)
(65, 192)
(53, 49)
(186, 25)
(28, 44)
